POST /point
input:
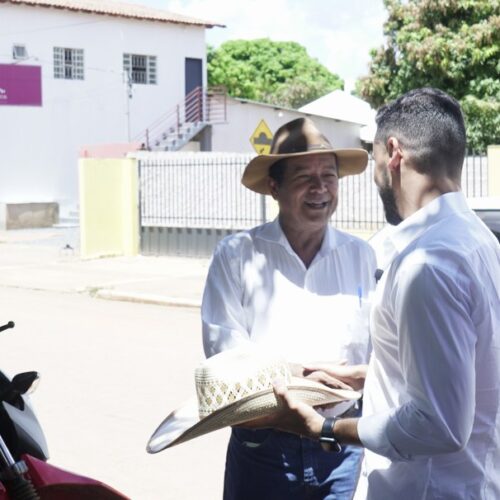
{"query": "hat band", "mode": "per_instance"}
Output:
(310, 149)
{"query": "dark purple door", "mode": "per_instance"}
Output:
(194, 80)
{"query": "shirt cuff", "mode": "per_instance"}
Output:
(372, 431)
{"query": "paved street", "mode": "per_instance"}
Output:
(111, 370)
(48, 259)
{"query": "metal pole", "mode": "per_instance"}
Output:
(140, 196)
(129, 96)
(225, 106)
(263, 208)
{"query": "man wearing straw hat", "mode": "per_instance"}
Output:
(431, 416)
(297, 287)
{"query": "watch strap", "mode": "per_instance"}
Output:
(327, 437)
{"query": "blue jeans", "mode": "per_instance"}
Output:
(271, 465)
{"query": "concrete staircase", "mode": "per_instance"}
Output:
(175, 139)
(179, 125)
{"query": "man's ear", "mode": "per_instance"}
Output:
(273, 187)
(395, 153)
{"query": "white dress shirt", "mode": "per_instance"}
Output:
(259, 290)
(431, 415)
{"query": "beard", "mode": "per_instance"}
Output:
(389, 202)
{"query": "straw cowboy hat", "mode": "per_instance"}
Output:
(233, 387)
(300, 137)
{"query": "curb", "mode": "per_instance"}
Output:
(144, 298)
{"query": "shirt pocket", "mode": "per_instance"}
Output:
(356, 338)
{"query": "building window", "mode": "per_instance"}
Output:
(19, 52)
(141, 69)
(68, 63)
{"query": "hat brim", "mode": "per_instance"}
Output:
(255, 177)
(184, 423)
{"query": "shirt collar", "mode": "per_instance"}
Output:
(273, 232)
(416, 224)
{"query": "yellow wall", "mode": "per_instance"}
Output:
(493, 170)
(109, 212)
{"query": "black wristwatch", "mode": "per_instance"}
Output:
(327, 437)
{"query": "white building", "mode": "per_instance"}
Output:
(243, 117)
(64, 84)
(341, 105)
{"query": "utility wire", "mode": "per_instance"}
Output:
(50, 28)
(45, 61)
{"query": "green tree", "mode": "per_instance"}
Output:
(280, 73)
(453, 45)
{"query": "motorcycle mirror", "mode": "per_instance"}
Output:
(24, 382)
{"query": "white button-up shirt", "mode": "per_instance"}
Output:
(431, 416)
(259, 290)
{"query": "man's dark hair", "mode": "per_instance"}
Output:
(429, 125)
(277, 171)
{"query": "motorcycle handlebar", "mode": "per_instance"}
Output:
(10, 324)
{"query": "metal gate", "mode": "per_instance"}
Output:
(190, 201)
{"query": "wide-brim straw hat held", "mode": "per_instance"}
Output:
(300, 137)
(234, 387)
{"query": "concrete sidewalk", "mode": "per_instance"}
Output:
(48, 259)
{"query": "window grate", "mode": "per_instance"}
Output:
(140, 68)
(68, 63)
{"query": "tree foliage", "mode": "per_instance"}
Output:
(280, 73)
(453, 45)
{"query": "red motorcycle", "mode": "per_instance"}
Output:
(24, 471)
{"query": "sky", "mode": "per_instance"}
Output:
(339, 33)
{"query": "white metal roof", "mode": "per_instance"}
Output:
(341, 105)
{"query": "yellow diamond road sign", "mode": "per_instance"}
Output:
(261, 138)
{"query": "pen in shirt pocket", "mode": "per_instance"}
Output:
(360, 295)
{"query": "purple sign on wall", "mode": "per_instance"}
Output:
(20, 85)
